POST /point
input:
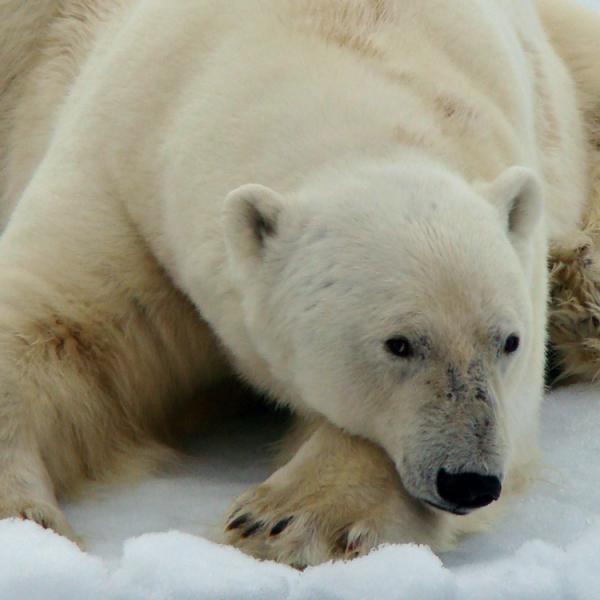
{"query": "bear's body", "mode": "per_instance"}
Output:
(575, 275)
(122, 134)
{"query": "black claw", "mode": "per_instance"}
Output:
(238, 522)
(279, 527)
(342, 542)
(253, 529)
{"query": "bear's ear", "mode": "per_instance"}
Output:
(250, 218)
(517, 195)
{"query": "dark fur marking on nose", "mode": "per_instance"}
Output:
(456, 384)
(473, 384)
(476, 371)
(481, 394)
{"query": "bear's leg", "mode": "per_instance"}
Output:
(574, 314)
(338, 497)
(98, 350)
(26, 490)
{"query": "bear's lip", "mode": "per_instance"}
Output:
(455, 510)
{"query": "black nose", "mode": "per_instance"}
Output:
(468, 490)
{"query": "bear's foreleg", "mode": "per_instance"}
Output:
(338, 497)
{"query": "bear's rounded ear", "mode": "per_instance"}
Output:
(517, 195)
(250, 218)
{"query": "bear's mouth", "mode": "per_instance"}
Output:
(454, 510)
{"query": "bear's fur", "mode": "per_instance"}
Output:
(575, 262)
(295, 189)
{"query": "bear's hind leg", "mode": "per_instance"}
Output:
(574, 323)
(98, 350)
(26, 489)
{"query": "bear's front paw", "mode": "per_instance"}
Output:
(337, 498)
(292, 526)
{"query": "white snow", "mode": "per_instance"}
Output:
(143, 541)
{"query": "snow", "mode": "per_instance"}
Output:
(149, 541)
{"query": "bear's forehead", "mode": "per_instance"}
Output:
(427, 260)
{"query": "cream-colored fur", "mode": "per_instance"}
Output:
(575, 275)
(124, 129)
(100, 366)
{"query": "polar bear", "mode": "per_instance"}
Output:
(346, 202)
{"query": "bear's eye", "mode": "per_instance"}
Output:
(512, 344)
(399, 346)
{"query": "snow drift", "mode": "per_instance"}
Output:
(547, 546)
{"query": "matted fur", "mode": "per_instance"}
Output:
(574, 312)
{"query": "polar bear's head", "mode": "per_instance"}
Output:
(397, 303)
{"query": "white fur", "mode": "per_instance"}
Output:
(399, 153)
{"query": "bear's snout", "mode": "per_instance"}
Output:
(467, 491)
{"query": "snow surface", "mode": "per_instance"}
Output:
(143, 541)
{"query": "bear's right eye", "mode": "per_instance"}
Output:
(399, 346)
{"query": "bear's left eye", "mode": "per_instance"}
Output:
(399, 346)
(512, 344)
